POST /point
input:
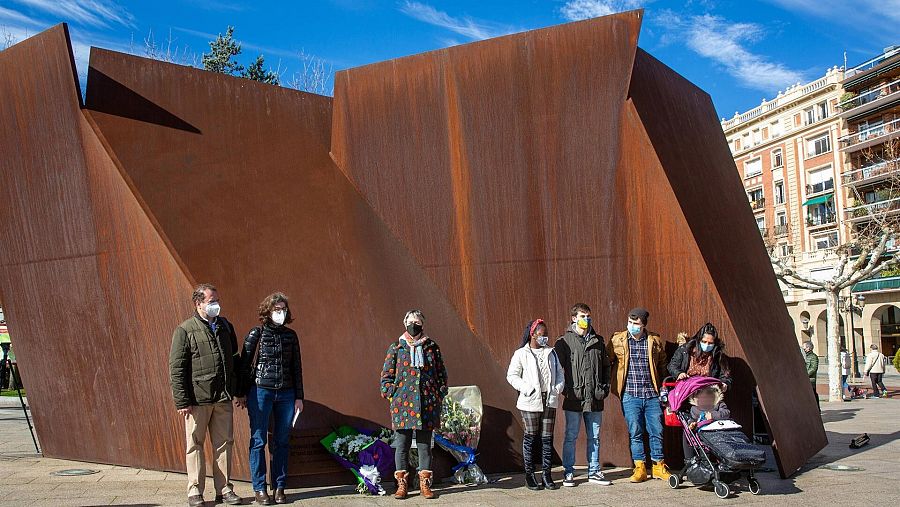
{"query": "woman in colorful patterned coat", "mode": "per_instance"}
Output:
(414, 380)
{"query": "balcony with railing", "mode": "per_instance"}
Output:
(821, 220)
(870, 136)
(871, 173)
(789, 96)
(781, 230)
(885, 205)
(880, 97)
(758, 204)
(871, 64)
(820, 188)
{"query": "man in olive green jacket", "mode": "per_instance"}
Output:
(202, 366)
(812, 367)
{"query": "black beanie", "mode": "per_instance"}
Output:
(639, 313)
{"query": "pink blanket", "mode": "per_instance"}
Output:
(685, 388)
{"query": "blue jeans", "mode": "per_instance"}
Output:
(261, 405)
(643, 415)
(592, 431)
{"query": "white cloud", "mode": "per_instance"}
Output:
(12, 17)
(575, 10)
(877, 19)
(98, 13)
(725, 43)
(465, 26)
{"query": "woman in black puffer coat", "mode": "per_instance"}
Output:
(272, 381)
(704, 355)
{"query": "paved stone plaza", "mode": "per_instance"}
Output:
(25, 478)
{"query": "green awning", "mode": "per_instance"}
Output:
(887, 283)
(818, 200)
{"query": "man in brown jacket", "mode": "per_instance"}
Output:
(639, 359)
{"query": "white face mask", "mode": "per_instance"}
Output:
(278, 316)
(213, 309)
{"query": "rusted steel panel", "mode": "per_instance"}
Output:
(239, 177)
(487, 184)
(89, 288)
(511, 146)
(700, 171)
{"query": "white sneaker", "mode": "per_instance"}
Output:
(599, 478)
(569, 481)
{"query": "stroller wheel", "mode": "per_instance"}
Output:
(674, 481)
(722, 489)
(753, 486)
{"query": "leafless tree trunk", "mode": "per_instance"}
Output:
(864, 257)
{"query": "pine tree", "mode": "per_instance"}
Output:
(257, 72)
(222, 52)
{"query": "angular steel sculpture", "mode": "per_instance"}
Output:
(487, 184)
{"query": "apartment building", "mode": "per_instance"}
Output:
(870, 110)
(795, 154)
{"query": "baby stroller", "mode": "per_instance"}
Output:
(723, 452)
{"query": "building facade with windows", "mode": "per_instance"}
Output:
(870, 111)
(793, 154)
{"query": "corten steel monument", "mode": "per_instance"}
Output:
(487, 184)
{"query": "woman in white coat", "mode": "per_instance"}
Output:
(536, 374)
(876, 365)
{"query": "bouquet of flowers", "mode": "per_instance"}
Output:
(460, 430)
(368, 456)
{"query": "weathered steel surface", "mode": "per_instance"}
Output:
(89, 288)
(238, 176)
(714, 206)
(509, 150)
(487, 184)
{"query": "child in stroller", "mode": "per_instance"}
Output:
(716, 451)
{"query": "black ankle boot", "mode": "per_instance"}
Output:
(547, 462)
(548, 481)
(532, 483)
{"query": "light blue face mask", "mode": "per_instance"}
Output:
(707, 347)
(634, 329)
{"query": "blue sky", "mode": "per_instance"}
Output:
(738, 51)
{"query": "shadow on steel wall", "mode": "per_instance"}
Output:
(487, 184)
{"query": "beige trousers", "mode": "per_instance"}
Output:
(215, 419)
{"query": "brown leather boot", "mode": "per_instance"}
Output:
(425, 484)
(280, 497)
(402, 486)
(262, 498)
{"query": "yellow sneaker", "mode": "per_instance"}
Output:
(660, 471)
(640, 472)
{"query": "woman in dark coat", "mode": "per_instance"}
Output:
(271, 386)
(703, 354)
(414, 380)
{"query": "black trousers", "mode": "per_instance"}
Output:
(402, 443)
(877, 384)
(813, 384)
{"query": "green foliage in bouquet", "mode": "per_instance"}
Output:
(459, 425)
